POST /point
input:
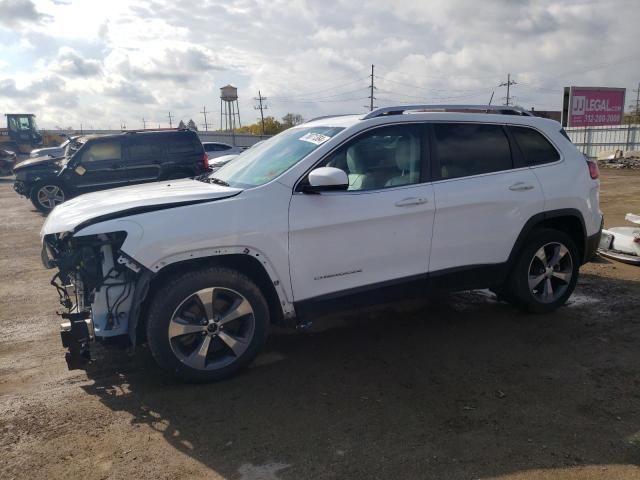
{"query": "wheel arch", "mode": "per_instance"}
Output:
(248, 262)
(568, 220)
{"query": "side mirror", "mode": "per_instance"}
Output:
(326, 179)
(80, 170)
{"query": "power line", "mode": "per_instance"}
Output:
(315, 92)
(261, 107)
(371, 89)
(508, 84)
(204, 112)
(637, 105)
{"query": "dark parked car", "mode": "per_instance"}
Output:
(7, 161)
(110, 161)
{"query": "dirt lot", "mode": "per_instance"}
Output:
(460, 388)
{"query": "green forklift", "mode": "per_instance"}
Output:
(21, 134)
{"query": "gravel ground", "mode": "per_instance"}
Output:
(461, 387)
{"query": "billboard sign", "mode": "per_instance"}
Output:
(593, 106)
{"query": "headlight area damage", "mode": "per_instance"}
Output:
(100, 287)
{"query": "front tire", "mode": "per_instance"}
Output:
(206, 325)
(45, 196)
(546, 272)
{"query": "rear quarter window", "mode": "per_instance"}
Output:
(535, 148)
(182, 144)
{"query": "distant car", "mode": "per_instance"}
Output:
(7, 161)
(50, 151)
(102, 162)
(220, 162)
(218, 149)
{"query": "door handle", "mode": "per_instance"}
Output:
(406, 202)
(521, 187)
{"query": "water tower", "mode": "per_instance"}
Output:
(229, 108)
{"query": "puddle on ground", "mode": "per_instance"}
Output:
(579, 299)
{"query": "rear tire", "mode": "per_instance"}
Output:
(546, 272)
(206, 325)
(46, 195)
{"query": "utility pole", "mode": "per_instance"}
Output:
(261, 107)
(371, 89)
(636, 107)
(508, 84)
(204, 112)
(144, 124)
(170, 121)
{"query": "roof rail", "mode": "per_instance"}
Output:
(143, 130)
(322, 117)
(400, 109)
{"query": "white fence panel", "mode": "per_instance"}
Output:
(593, 140)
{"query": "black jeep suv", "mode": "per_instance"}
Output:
(110, 161)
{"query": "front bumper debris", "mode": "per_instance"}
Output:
(20, 187)
(622, 243)
(76, 335)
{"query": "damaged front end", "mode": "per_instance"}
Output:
(100, 288)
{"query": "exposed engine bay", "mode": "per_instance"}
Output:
(100, 289)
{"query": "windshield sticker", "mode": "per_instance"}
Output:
(315, 138)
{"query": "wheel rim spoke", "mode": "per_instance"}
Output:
(558, 255)
(206, 297)
(562, 276)
(240, 308)
(535, 280)
(542, 256)
(198, 358)
(180, 326)
(235, 344)
(548, 289)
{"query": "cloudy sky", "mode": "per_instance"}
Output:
(101, 63)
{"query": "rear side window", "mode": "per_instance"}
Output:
(180, 144)
(535, 148)
(142, 149)
(465, 149)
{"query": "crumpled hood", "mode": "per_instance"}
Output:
(135, 199)
(40, 161)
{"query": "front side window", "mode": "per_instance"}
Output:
(381, 158)
(99, 151)
(24, 123)
(465, 149)
(266, 161)
(535, 148)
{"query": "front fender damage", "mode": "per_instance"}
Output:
(101, 290)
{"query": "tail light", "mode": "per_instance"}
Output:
(205, 161)
(594, 171)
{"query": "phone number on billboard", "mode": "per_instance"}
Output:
(601, 118)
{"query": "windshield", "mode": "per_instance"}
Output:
(72, 147)
(266, 161)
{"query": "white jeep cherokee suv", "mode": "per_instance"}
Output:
(322, 215)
